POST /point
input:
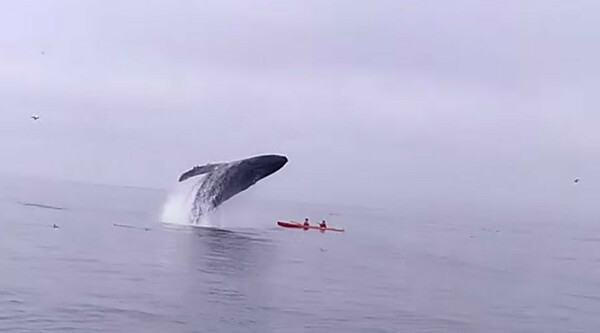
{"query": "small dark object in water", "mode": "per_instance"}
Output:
(130, 227)
(28, 204)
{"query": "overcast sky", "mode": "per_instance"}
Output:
(372, 101)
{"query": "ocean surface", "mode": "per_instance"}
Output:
(113, 266)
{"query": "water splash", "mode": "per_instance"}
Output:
(176, 208)
(191, 203)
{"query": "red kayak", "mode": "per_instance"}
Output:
(296, 225)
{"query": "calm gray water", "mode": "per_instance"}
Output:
(406, 271)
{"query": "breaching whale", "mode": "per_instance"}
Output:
(224, 180)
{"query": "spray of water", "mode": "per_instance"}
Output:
(180, 204)
(191, 203)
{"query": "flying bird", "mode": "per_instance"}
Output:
(577, 180)
(35, 117)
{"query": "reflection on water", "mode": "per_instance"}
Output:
(228, 253)
(230, 272)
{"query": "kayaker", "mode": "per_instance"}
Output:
(323, 225)
(306, 224)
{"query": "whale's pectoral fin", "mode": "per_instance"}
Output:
(199, 170)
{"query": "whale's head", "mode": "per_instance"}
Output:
(259, 167)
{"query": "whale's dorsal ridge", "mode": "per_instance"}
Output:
(200, 170)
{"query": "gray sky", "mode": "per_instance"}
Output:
(374, 102)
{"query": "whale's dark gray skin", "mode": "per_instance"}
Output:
(224, 180)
